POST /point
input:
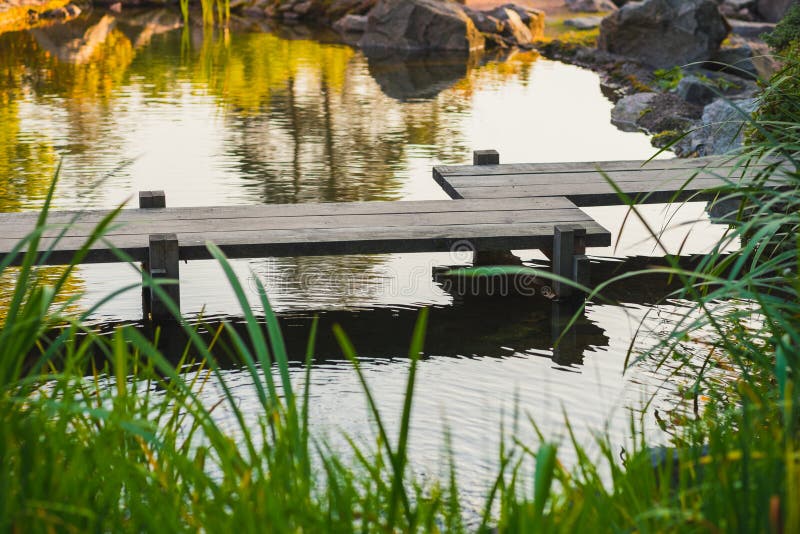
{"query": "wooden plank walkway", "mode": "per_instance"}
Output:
(498, 208)
(584, 184)
(310, 229)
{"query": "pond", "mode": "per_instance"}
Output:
(129, 102)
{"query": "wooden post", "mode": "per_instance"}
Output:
(149, 200)
(152, 199)
(569, 260)
(164, 263)
(563, 254)
(491, 257)
(485, 157)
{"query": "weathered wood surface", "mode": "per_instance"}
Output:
(589, 166)
(310, 229)
(586, 184)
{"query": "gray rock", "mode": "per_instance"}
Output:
(420, 25)
(590, 6)
(351, 24)
(669, 112)
(583, 23)
(339, 8)
(746, 58)
(664, 33)
(750, 30)
(695, 91)
(773, 10)
(722, 127)
(629, 110)
(484, 22)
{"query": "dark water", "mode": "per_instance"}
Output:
(135, 102)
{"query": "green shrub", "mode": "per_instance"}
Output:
(786, 32)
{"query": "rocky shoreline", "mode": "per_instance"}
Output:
(684, 71)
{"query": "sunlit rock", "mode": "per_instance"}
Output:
(417, 25)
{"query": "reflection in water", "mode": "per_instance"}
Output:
(259, 117)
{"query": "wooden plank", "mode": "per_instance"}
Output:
(587, 166)
(315, 242)
(582, 193)
(352, 221)
(289, 210)
(619, 177)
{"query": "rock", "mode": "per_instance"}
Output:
(512, 26)
(628, 110)
(773, 10)
(741, 4)
(695, 91)
(340, 8)
(664, 33)
(750, 30)
(253, 12)
(66, 12)
(484, 22)
(591, 6)
(351, 24)
(722, 126)
(669, 112)
(303, 8)
(420, 25)
(746, 58)
(738, 9)
(522, 25)
(583, 23)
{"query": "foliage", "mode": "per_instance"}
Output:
(786, 32)
(668, 79)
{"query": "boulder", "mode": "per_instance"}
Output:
(351, 24)
(746, 58)
(629, 110)
(773, 10)
(738, 9)
(420, 25)
(669, 112)
(723, 126)
(339, 8)
(484, 22)
(519, 25)
(664, 33)
(695, 91)
(522, 25)
(583, 23)
(591, 6)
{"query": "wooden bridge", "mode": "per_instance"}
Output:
(495, 208)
